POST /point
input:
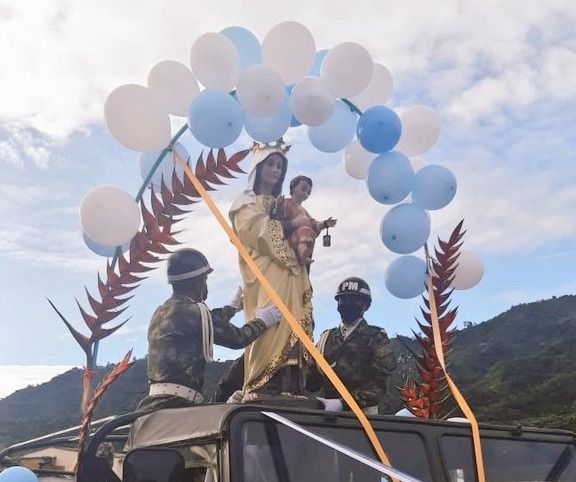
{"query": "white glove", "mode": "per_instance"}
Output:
(269, 315)
(331, 404)
(237, 301)
(236, 397)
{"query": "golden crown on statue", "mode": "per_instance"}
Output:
(278, 145)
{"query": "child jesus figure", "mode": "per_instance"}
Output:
(300, 228)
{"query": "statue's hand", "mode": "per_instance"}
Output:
(330, 222)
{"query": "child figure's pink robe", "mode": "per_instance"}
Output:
(302, 239)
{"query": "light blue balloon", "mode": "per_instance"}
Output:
(337, 132)
(101, 249)
(405, 228)
(166, 168)
(270, 128)
(247, 45)
(390, 177)
(379, 129)
(18, 474)
(434, 187)
(406, 277)
(215, 118)
(318, 58)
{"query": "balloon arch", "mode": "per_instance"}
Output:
(266, 88)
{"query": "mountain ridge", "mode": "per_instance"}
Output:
(518, 367)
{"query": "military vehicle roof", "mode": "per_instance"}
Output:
(176, 424)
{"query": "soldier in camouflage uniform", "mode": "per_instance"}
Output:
(183, 330)
(359, 353)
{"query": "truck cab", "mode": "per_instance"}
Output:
(242, 443)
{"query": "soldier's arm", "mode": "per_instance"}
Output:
(231, 336)
(382, 364)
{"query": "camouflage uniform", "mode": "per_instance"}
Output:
(175, 352)
(363, 361)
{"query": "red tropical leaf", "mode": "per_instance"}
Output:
(431, 388)
(100, 333)
(82, 340)
(221, 162)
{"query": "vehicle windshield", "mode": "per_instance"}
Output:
(275, 453)
(510, 460)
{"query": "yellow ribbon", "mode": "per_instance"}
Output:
(304, 339)
(453, 388)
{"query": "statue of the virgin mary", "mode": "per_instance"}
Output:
(273, 363)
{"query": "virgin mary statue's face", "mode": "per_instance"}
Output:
(271, 172)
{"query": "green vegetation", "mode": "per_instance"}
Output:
(519, 367)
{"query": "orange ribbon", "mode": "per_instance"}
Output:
(453, 388)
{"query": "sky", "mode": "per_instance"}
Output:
(500, 75)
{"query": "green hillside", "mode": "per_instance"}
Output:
(519, 367)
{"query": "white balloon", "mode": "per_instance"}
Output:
(109, 216)
(175, 86)
(469, 271)
(136, 118)
(215, 61)
(378, 91)
(260, 90)
(348, 69)
(290, 49)
(420, 130)
(357, 160)
(311, 101)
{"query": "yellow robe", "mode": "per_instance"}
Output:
(269, 249)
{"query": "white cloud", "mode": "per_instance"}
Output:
(488, 96)
(558, 68)
(58, 65)
(16, 377)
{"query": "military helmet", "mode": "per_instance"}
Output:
(354, 286)
(186, 264)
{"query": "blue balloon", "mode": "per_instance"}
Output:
(379, 129)
(102, 249)
(270, 128)
(215, 118)
(390, 177)
(405, 228)
(337, 132)
(406, 277)
(247, 45)
(318, 58)
(434, 187)
(18, 474)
